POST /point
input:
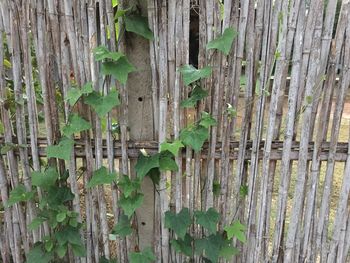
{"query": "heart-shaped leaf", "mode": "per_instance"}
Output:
(128, 186)
(101, 176)
(131, 203)
(61, 151)
(45, 179)
(196, 95)
(102, 52)
(173, 147)
(194, 136)
(208, 219)
(122, 228)
(224, 42)
(118, 69)
(139, 25)
(145, 164)
(236, 229)
(178, 222)
(103, 104)
(19, 194)
(191, 74)
(75, 124)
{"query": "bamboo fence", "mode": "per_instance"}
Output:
(287, 75)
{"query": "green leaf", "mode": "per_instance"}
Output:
(212, 246)
(171, 147)
(128, 186)
(74, 94)
(78, 250)
(7, 147)
(166, 162)
(45, 179)
(228, 252)
(122, 228)
(178, 222)
(146, 256)
(114, 3)
(191, 74)
(224, 42)
(103, 104)
(36, 222)
(60, 217)
(208, 219)
(196, 95)
(194, 136)
(243, 191)
(101, 176)
(183, 245)
(38, 255)
(75, 124)
(61, 251)
(216, 188)
(69, 235)
(145, 164)
(61, 151)
(102, 53)
(118, 69)
(7, 63)
(138, 25)
(131, 203)
(236, 229)
(49, 245)
(19, 194)
(207, 120)
(58, 195)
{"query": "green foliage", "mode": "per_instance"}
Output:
(224, 42)
(45, 179)
(101, 53)
(173, 147)
(74, 93)
(236, 229)
(61, 151)
(103, 104)
(19, 194)
(101, 176)
(167, 162)
(196, 95)
(183, 245)
(38, 254)
(75, 124)
(128, 186)
(139, 25)
(145, 164)
(208, 219)
(118, 69)
(145, 256)
(190, 74)
(130, 203)
(207, 120)
(122, 228)
(194, 136)
(178, 222)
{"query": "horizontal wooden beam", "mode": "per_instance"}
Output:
(151, 147)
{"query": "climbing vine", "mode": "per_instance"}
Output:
(53, 206)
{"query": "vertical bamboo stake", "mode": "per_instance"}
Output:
(288, 136)
(163, 102)
(98, 135)
(311, 83)
(281, 63)
(339, 105)
(20, 128)
(7, 247)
